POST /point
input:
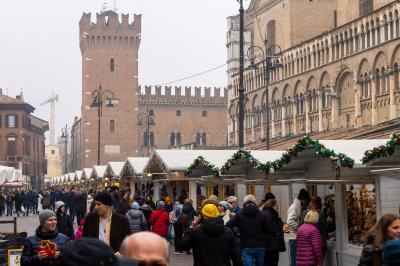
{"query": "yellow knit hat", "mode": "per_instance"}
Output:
(209, 211)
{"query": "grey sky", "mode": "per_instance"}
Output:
(39, 48)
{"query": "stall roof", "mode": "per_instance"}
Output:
(354, 148)
(137, 163)
(88, 172)
(99, 170)
(115, 168)
(79, 175)
(71, 176)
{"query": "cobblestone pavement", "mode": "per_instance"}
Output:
(29, 223)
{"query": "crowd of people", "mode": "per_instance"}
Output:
(219, 232)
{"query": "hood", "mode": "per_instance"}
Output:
(135, 213)
(145, 207)
(213, 226)
(47, 235)
(250, 209)
(187, 207)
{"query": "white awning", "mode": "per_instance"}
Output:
(137, 164)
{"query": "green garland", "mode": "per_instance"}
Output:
(200, 161)
(246, 155)
(314, 145)
(383, 150)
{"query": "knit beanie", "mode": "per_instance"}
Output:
(209, 211)
(135, 206)
(391, 253)
(104, 198)
(59, 204)
(45, 215)
(225, 204)
(160, 204)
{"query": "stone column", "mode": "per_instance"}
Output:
(253, 131)
(374, 115)
(284, 106)
(262, 123)
(335, 110)
(320, 124)
(192, 192)
(273, 132)
(391, 94)
(294, 109)
(308, 124)
(156, 189)
(259, 192)
(236, 120)
(357, 102)
(230, 129)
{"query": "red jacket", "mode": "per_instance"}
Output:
(159, 220)
(309, 246)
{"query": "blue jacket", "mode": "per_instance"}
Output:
(30, 252)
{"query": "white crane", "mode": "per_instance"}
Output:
(52, 100)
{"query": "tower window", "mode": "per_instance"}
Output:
(201, 138)
(112, 65)
(204, 114)
(178, 112)
(112, 126)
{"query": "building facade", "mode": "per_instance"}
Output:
(337, 75)
(54, 161)
(22, 138)
(140, 119)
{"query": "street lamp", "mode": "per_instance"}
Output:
(270, 61)
(99, 97)
(146, 120)
(64, 135)
(241, 70)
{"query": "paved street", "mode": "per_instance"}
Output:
(29, 224)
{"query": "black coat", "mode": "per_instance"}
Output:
(64, 225)
(213, 244)
(119, 228)
(371, 256)
(80, 203)
(275, 237)
(252, 225)
(30, 252)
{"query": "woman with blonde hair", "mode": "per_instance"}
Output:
(309, 242)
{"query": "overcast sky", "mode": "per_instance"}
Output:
(39, 49)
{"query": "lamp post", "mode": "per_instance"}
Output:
(64, 135)
(146, 120)
(270, 61)
(99, 97)
(241, 70)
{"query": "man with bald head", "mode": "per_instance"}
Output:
(146, 248)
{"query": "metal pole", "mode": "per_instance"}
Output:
(148, 132)
(66, 147)
(241, 69)
(266, 83)
(100, 103)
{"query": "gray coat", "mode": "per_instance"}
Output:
(137, 221)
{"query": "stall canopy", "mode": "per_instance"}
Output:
(87, 172)
(134, 166)
(99, 171)
(79, 175)
(10, 175)
(114, 169)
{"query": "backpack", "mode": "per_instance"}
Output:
(172, 217)
(184, 220)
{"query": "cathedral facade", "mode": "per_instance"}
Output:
(340, 68)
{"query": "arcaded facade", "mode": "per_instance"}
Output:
(340, 73)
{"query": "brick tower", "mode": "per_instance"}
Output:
(109, 51)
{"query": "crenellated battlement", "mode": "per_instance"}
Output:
(109, 31)
(179, 95)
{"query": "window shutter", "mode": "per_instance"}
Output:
(16, 121)
(7, 120)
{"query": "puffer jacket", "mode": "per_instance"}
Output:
(371, 256)
(309, 246)
(30, 252)
(137, 221)
(293, 218)
(159, 221)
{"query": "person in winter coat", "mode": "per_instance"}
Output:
(2, 203)
(46, 204)
(213, 243)
(293, 221)
(252, 225)
(105, 224)
(9, 204)
(18, 199)
(137, 221)
(47, 230)
(387, 228)
(147, 211)
(64, 221)
(80, 206)
(224, 211)
(79, 232)
(187, 216)
(159, 220)
(391, 253)
(309, 242)
(275, 242)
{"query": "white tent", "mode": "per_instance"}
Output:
(137, 164)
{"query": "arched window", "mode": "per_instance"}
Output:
(112, 65)
(365, 7)
(271, 35)
(175, 139)
(148, 139)
(112, 126)
(201, 138)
